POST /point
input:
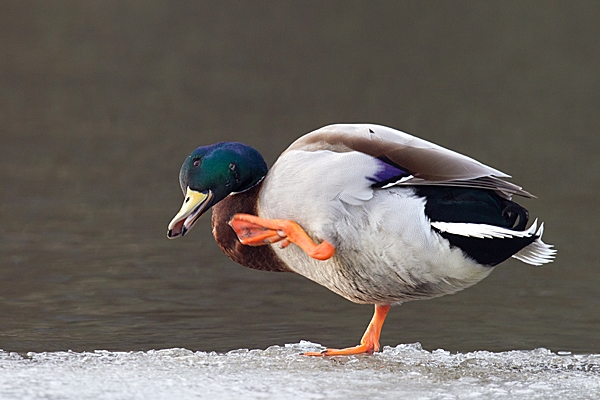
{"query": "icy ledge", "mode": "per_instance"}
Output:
(280, 372)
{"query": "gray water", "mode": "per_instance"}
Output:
(100, 104)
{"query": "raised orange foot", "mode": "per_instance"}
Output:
(255, 231)
(369, 342)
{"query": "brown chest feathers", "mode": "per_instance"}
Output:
(260, 257)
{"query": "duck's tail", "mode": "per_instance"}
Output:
(538, 252)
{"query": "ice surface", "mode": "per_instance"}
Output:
(280, 372)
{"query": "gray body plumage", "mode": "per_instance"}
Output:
(386, 249)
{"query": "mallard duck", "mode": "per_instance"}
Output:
(372, 213)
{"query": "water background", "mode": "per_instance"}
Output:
(101, 102)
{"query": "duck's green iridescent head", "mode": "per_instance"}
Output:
(211, 173)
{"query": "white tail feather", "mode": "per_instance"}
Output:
(538, 252)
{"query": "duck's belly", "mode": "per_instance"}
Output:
(386, 251)
(365, 277)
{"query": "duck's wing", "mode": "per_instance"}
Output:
(412, 161)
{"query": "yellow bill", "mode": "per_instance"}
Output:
(193, 207)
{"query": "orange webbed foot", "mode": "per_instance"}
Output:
(255, 231)
(369, 342)
(367, 348)
(252, 234)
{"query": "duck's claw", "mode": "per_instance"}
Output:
(255, 231)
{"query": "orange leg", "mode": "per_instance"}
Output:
(255, 231)
(369, 342)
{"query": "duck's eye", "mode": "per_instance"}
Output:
(197, 163)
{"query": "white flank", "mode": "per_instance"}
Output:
(537, 253)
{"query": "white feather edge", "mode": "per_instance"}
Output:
(537, 253)
(398, 182)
